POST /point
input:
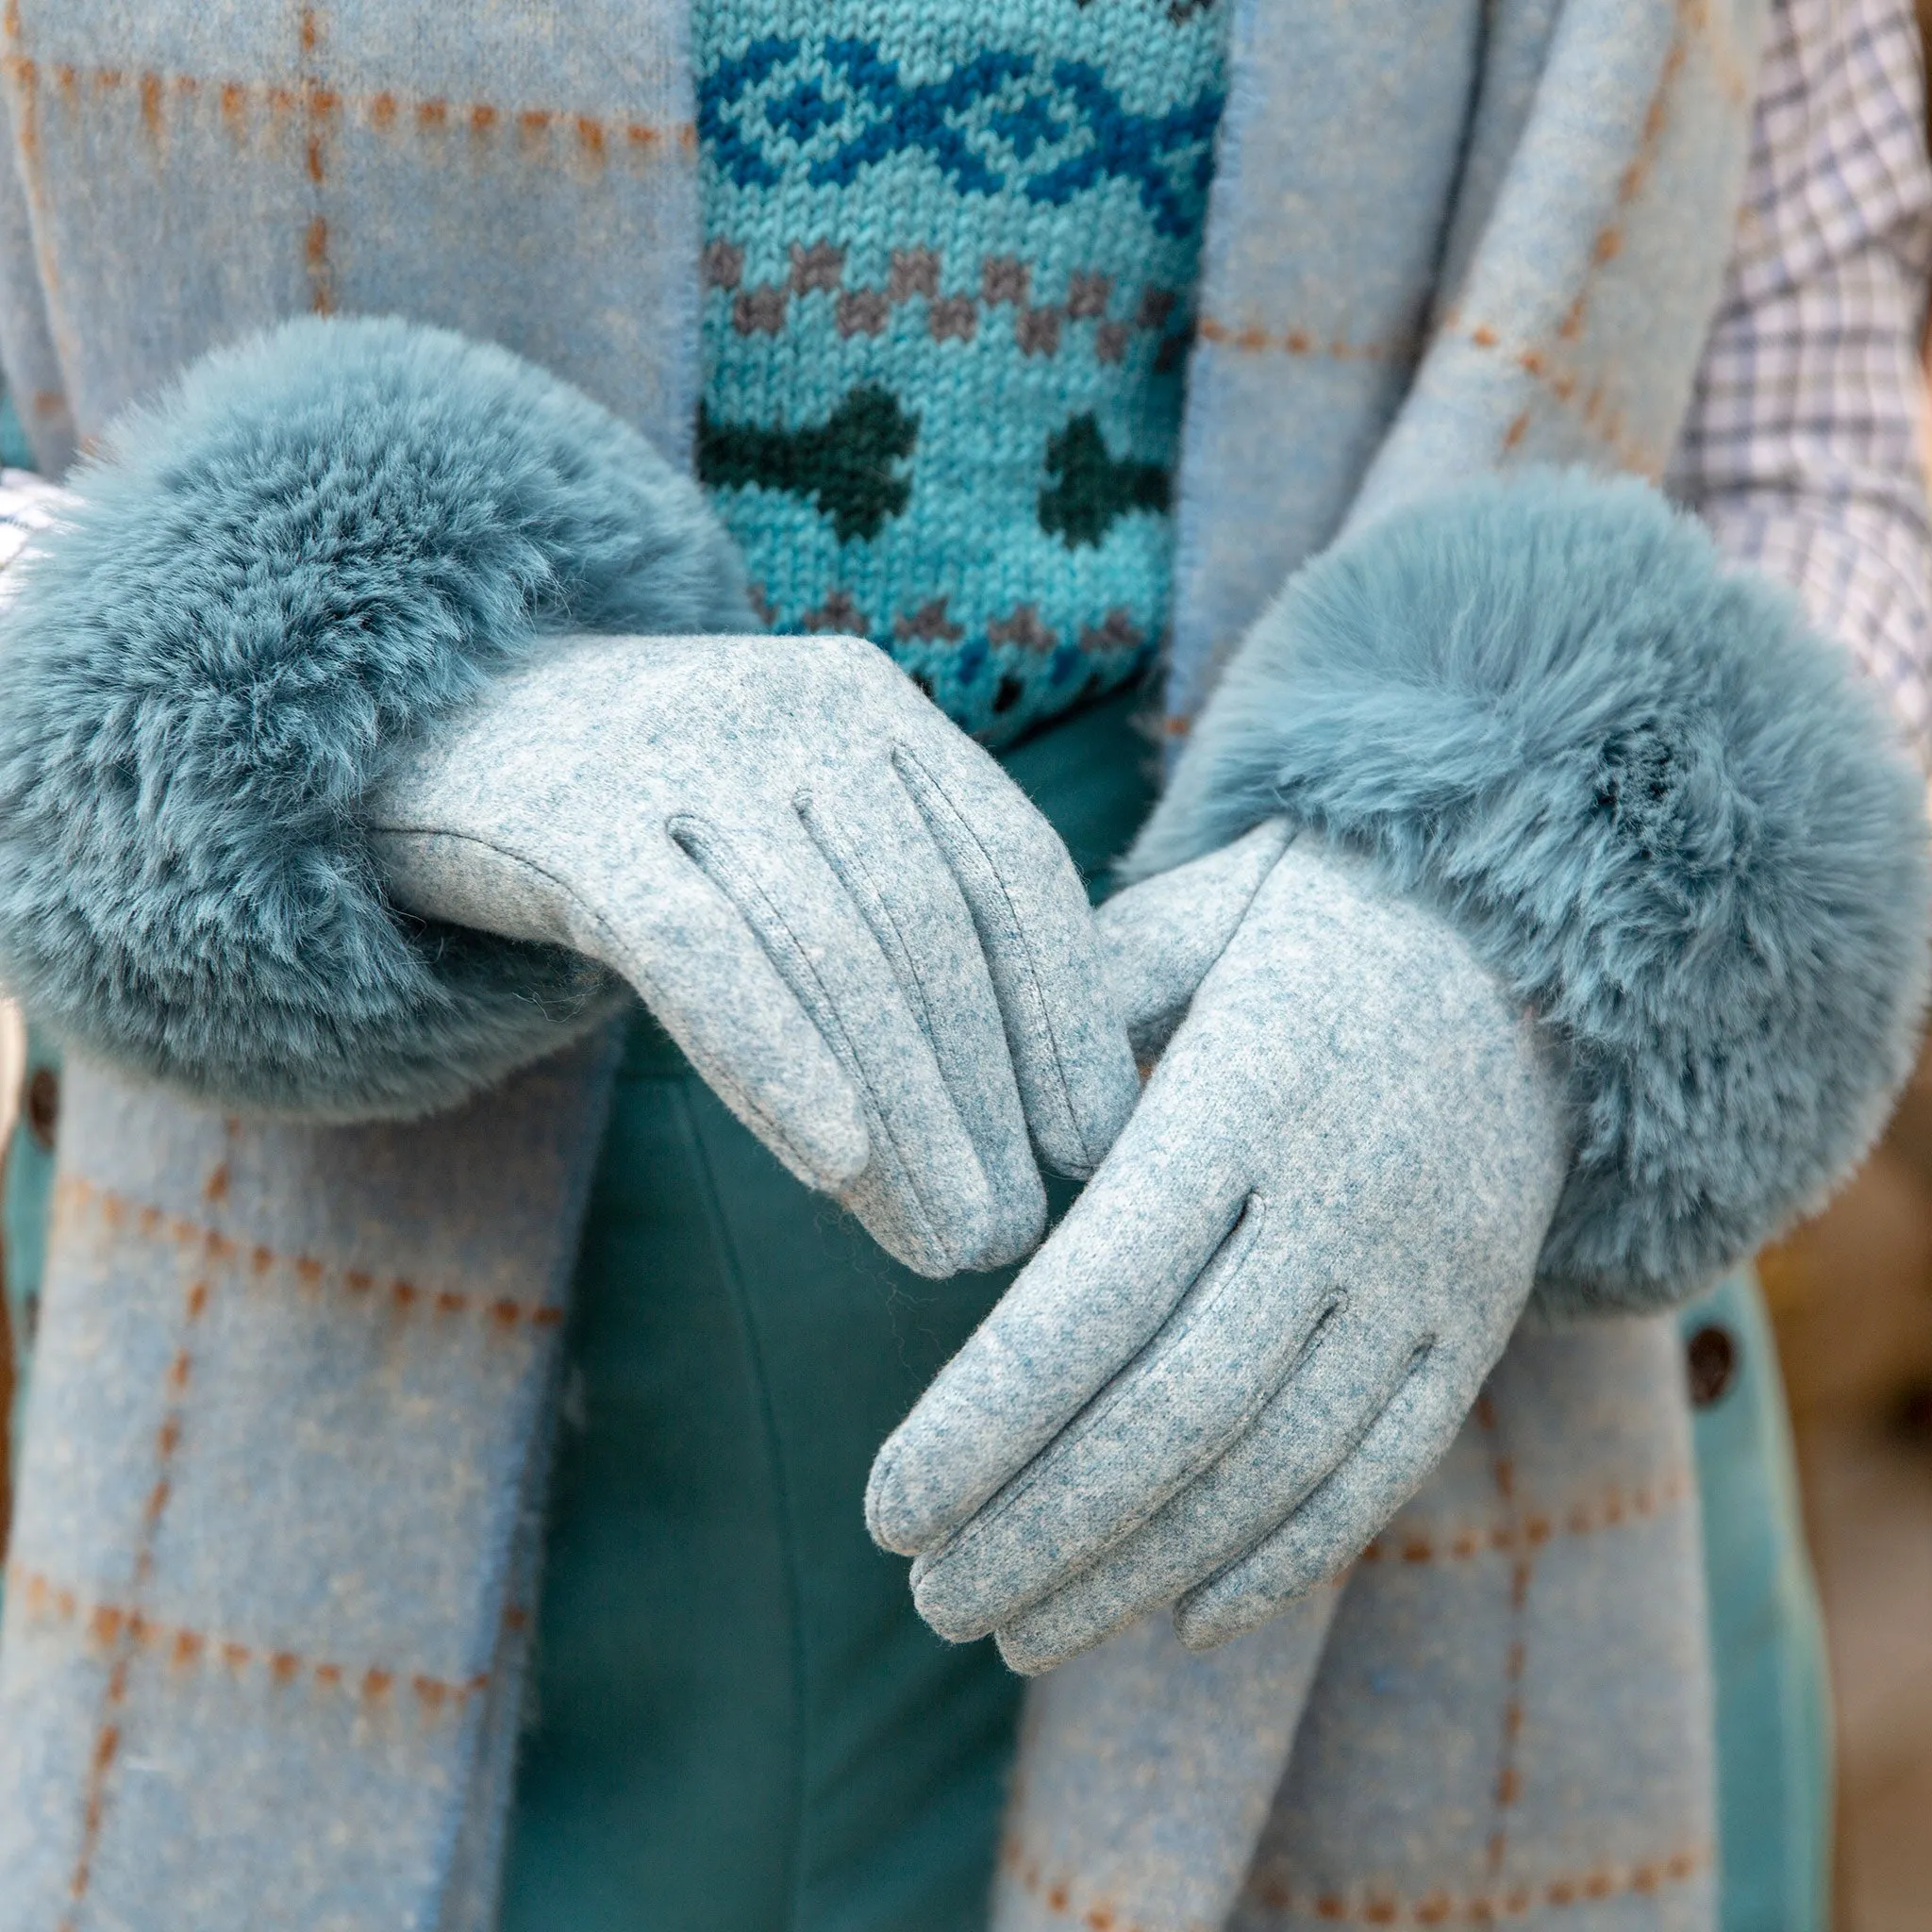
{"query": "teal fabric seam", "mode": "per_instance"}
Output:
(27, 1184)
(727, 1248)
(1773, 1688)
(16, 453)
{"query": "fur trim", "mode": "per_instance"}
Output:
(1667, 815)
(309, 546)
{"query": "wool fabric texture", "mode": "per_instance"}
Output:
(308, 547)
(1206, 1725)
(1500, 1649)
(1663, 811)
(249, 1380)
(334, 160)
(1473, 296)
(1512, 197)
(447, 213)
(950, 251)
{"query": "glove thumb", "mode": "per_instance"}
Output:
(1158, 939)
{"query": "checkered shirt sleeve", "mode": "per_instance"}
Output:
(1803, 445)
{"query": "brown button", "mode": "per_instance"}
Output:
(1712, 1356)
(43, 1106)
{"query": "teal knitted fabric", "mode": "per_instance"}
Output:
(950, 254)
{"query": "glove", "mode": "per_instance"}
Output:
(1265, 1319)
(861, 932)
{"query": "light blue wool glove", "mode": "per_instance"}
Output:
(1266, 1318)
(865, 938)
(1600, 949)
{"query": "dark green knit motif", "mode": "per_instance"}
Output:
(1095, 488)
(844, 466)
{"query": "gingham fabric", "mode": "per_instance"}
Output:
(1803, 445)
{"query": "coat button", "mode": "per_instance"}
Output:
(1712, 1357)
(43, 1106)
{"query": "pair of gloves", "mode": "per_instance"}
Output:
(1302, 1247)
(1538, 919)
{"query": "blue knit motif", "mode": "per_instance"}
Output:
(999, 97)
(950, 259)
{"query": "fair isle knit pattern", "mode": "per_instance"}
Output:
(950, 253)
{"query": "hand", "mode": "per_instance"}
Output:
(1263, 1322)
(854, 925)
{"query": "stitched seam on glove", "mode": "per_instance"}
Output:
(611, 949)
(794, 963)
(1042, 1008)
(849, 868)
(1226, 1267)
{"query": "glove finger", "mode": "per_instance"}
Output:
(1311, 1428)
(1210, 1371)
(1338, 1520)
(880, 851)
(922, 1196)
(1069, 1049)
(1158, 939)
(693, 960)
(1086, 1305)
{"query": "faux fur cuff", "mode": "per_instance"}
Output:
(310, 545)
(1666, 814)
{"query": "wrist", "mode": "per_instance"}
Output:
(312, 547)
(1657, 807)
